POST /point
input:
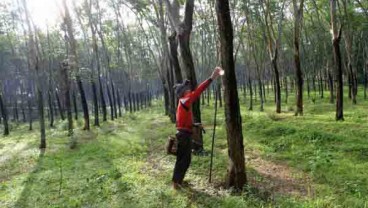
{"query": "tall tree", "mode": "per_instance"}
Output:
(348, 38)
(236, 176)
(336, 37)
(4, 115)
(34, 60)
(273, 41)
(298, 19)
(183, 30)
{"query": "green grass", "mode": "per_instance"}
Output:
(123, 163)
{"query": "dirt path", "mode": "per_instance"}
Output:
(268, 177)
(278, 178)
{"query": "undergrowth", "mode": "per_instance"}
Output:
(123, 163)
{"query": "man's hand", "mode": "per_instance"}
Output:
(216, 73)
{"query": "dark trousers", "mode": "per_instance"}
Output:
(183, 156)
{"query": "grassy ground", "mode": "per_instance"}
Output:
(309, 161)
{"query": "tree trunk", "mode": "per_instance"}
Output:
(30, 118)
(110, 102)
(236, 176)
(308, 87)
(51, 107)
(277, 84)
(119, 102)
(84, 103)
(68, 106)
(130, 102)
(260, 95)
(41, 117)
(331, 84)
(321, 84)
(348, 37)
(365, 79)
(4, 116)
(114, 99)
(60, 107)
(174, 57)
(264, 91)
(336, 37)
(286, 89)
(95, 103)
(250, 94)
(298, 17)
(75, 106)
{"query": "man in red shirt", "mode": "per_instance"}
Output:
(184, 123)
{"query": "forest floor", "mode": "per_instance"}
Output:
(309, 161)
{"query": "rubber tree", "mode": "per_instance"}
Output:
(236, 176)
(298, 19)
(273, 41)
(34, 60)
(4, 115)
(183, 31)
(336, 37)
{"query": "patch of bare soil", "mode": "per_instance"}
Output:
(278, 179)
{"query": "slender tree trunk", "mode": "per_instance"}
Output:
(264, 92)
(4, 116)
(260, 95)
(250, 94)
(308, 87)
(68, 104)
(51, 107)
(130, 102)
(60, 107)
(75, 106)
(84, 103)
(336, 37)
(236, 176)
(173, 42)
(110, 102)
(286, 89)
(365, 79)
(119, 101)
(321, 84)
(30, 116)
(331, 83)
(277, 85)
(298, 17)
(42, 118)
(133, 102)
(114, 99)
(348, 37)
(95, 103)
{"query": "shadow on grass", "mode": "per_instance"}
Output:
(27, 191)
(84, 176)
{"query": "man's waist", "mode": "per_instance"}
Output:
(184, 130)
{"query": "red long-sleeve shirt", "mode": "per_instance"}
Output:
(184, 115)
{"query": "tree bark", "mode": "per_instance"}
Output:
(336, 37)
(84, 103)
(250, 94)
(298, 18)
(60, 107)
(4, 115)
(236, 176)
(109, 96)
(51, 107)
(75, 106)
(66, 90)
(95, 103)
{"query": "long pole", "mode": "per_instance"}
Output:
(213, 135)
